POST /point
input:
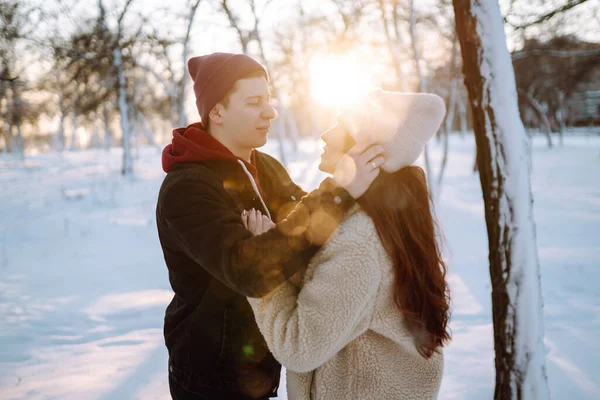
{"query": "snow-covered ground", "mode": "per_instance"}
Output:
(83, 285)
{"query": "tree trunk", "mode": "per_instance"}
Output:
(127, 165)
(560, 116)
(504, 171)
(107, 131)
(282, 154)
(147, 132)
(74, 127)
(393, 47)
(446, 132)
(8, 139)
(59, 137)
(400, 41)
(422, 89)
(539, 110)
(184, 79)
(450, 111)
(17, 117)
(95, 138)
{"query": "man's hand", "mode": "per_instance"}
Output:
(256, 223)
(358, 168)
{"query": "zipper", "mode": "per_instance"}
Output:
(311, 393)
(255, 187)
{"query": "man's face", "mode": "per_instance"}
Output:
(247, 118)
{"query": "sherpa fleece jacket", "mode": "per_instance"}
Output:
(340, 335)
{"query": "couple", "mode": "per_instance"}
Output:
(345, 285)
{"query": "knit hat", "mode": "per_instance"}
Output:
(214, 75)
(401, 122)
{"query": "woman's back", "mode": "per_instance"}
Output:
(380, 361)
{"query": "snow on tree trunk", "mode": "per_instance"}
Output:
(127, 166)
(504, 169)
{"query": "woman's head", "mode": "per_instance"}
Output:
(401, 122)
(399, 205)
(337, 143)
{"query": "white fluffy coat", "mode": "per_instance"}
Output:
(340, 335)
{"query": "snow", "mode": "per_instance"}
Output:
(83, 285)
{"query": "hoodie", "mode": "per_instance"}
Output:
(194, 144)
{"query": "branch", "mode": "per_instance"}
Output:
(120, 20)
(190, 22)
(554, 53)
(168, 88)
(233, 22)
(569, 5)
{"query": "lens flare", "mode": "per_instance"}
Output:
(339, 80)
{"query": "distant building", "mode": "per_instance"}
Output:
(583, 106)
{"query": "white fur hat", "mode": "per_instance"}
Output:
(401, 122)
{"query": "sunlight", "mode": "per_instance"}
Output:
(339, 80)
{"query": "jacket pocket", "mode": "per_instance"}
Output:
(226, 355)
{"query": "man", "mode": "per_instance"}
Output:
(214, 174)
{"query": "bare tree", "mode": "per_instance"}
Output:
(127, 165)
(422, 88)
(186, 49)
(504, 170)
(17, 21)
(394, 43)
(450, 110)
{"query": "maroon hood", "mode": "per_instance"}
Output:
(192, 144)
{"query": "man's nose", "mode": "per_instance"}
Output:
(269, 112)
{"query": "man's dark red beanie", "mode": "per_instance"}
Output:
(214, 75)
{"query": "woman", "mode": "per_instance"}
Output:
(370, 315)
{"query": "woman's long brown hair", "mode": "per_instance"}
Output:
(399, 205)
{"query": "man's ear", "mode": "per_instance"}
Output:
(216, 114)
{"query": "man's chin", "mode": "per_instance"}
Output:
(260, 143)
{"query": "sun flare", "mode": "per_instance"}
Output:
(339, 80)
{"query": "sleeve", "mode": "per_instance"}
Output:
(305, 328)
(209, 231)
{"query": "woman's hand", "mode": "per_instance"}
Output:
(358, 168)
(256, 223)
